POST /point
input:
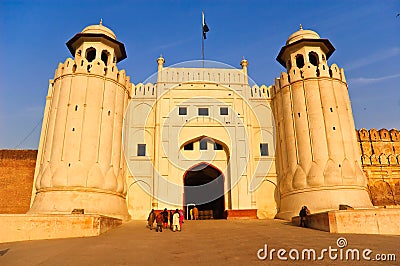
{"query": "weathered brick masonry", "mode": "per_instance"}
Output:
(17, 169)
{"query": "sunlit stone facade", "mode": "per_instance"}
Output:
(197, 135)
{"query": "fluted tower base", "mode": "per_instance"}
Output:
(93, 201)
(322, 199)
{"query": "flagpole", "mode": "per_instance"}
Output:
(202, 38)
(202, 50)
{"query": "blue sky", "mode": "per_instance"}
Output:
(366, 35)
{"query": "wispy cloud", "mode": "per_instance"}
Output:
(172, 44)
(364, 81)
(373, 58)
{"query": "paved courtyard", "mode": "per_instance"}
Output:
(213, 242)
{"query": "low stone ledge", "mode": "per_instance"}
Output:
(319, 221)
(21, 227)
(382, 221)
(241, 214)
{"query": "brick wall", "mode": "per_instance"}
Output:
(380, 155)
(17, 169)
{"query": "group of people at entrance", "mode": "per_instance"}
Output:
(175, 219)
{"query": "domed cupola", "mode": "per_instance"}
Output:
(97, 42)
(304, 46)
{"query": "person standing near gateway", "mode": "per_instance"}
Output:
(191, 214)
(159, 221)
(165, 218)
(181, 218)
(303, 216)
(196, 213)
(171, 218)
(175, 221)
(151, 218)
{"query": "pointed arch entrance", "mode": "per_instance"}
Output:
(204, 187)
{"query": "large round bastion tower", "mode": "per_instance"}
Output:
(80, 159)
(318, 161)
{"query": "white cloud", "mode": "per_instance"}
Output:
(363, 81)
(373, 58)
(172, 44)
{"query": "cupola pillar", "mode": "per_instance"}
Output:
(244, 63)
(160, 63)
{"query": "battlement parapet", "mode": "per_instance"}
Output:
(309, 71)
(260, 92)
(96, 67)
(218, 75)
(378, 135)
(141, 90)
(379, 147)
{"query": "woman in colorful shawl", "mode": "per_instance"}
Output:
(151, 218)
(181, 217)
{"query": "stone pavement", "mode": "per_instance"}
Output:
(212, 242)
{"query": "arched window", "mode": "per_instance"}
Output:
(313, 58)
(104, 56)
(299, 61)
(90, 54)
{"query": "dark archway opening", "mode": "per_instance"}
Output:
(104, 57)
(299, 61)
(90, 54)
(204, 187)
(313, 58)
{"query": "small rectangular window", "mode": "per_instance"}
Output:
(217, 146)
(203, 144)
(182, 110)
(203, 111)
(223, 111)
(141, 150)
(188, 147)
(264, 149)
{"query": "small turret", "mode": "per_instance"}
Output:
(304, 47)
(97, 42)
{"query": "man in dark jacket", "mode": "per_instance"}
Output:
(165, 218)
(303, 215)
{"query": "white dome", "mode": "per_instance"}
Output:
(302, 34)
(99, 29)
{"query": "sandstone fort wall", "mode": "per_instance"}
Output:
(380, 156)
